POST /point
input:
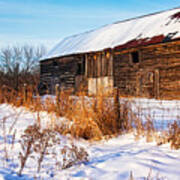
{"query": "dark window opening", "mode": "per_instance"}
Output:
(81, 68)
(135, 57)
(55, 63)
(78, 69)
(62, 80)
(83, 65)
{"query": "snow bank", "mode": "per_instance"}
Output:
(116, 158)
(110, 160)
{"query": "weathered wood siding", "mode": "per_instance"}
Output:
(99, 64)
(62, 71)
(156, 75)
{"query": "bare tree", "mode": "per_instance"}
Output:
(19, 65)
(31, 57)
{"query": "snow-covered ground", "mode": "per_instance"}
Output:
(112, 159)
(115, 159)
(160, 112)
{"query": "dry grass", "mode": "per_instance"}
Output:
(174, 135)
(92, 118)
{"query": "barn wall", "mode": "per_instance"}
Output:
(124, 73)
(67, 72)
(157, 74)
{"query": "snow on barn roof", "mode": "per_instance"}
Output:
(142, 30)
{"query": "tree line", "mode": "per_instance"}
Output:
(19, 65)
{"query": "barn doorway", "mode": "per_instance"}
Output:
(148, 83)
(80, 75)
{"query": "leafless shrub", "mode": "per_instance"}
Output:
(39, 144)
(73, 155)
(36, 141)
(26, 145)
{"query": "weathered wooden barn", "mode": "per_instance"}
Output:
(140, 56)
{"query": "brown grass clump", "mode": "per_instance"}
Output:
(174, 135)
(82, 119)
(93, 118)
(64, 103)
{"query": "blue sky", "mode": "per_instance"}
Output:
(49, 21)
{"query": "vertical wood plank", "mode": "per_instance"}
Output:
(110, 73)
(156, 81)
(138, 84)
(86, 66)
(99, 67)
(92, 64)
(101, 64)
